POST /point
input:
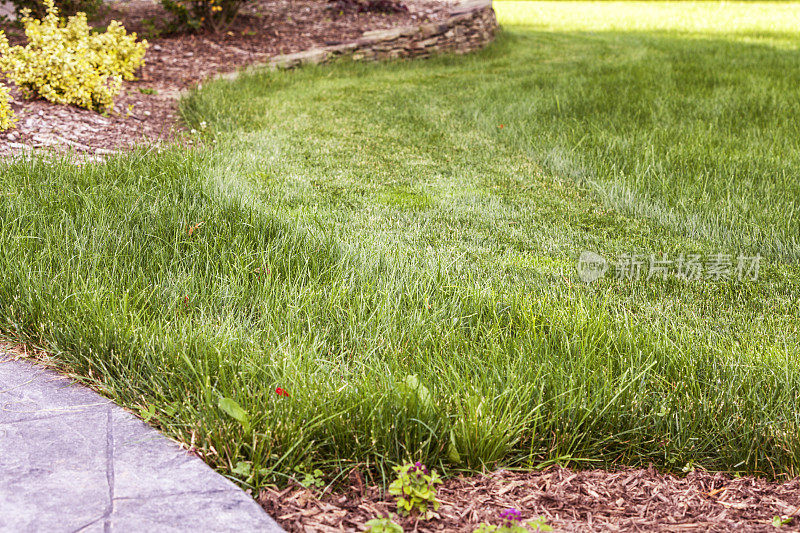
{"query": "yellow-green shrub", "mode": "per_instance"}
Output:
(67, 63)
(7, 117)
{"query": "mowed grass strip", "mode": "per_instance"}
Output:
(395, 246)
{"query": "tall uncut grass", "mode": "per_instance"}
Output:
(395, 246)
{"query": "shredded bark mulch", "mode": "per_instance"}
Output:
(591, 500)
(145, 111)
(137, 118)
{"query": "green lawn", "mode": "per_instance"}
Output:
(395, 245)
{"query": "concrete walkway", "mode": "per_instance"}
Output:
(70, 460)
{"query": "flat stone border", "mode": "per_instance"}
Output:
(470, 25)
(71, 460)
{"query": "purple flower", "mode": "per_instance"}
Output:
(419, 467)
(512, 515)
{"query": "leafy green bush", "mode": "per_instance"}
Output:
(67, 8)
(210, 15)
(415, 489)
(66, 63)
(7, 118)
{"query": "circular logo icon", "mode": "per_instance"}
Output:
(591, 266)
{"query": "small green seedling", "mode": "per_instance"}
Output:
(248, 472)
(780, 521)
(539, 524)
(383, 525)
(313, 479)
(147, 413)
(234, 410)
(242, 469)
(512, 523)
(415, 489)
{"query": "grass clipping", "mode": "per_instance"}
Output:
(67, 63)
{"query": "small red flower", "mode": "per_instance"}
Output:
(281, 392)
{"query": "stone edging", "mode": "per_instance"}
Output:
(469, 26)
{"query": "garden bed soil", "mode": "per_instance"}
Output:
(145, 111)
(590, 500)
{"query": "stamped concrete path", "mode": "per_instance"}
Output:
(70, 460)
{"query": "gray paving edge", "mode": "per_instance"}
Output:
(71, 460)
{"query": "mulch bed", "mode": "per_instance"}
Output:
(590, 500)
(145, 111)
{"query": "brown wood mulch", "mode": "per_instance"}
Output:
(590, 500)
(145, 111)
